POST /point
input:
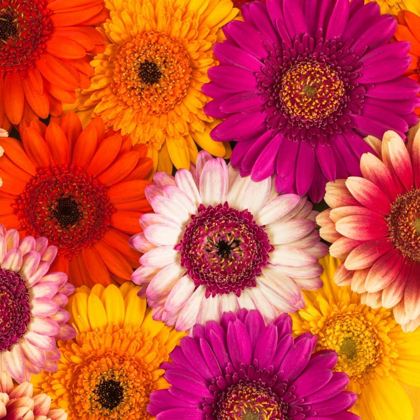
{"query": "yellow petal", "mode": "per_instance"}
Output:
(135, 308)
(178, 152)
(126, 288)
(215, 148)
(408, 371)
(78, 311)
(149, 324)
(98, 290)
(96, 312)
(114, 305)
(164, 163)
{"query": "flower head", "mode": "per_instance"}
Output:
(243, 369)
(148, 80)
(219, 242)
(372, 349)
(20, 403)
(81, 189)
(109, 370)
(43, 54)
(32, 298)
(301, 83)
(374, 224)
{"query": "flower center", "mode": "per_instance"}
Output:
(15, 309)
(250, 400)
(152, 73)
(404, 224)
(356, 342)
(311, 91)
(25, 27)
(67, 206)
(224, 249)
(110, 394)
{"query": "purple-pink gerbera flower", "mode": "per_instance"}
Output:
(32, 301)
(219, 242)
(244, 369)
(301, 82)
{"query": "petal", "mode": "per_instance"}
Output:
(214, 181)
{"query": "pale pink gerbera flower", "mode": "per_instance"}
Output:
(31, 306)
(374, 224)
(219, 242)
(20, 403)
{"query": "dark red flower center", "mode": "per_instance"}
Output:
(15, 309)
(67, 206)
(250, 400)
(404, 224)
(25, 27)
(224, 249)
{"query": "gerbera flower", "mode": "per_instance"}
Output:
(218, 242)
(243, 369)
(83, 190)
(372, 348)
(408, 29)
(301, 83)
(32, 298)
(375, 227)
(112, 366)
(43, 54)
(394, 6)
(148, 80)
(20, 403)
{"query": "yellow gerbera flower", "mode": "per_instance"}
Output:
(148, 80)
(394, 6)
(372, 348)
(112, 366)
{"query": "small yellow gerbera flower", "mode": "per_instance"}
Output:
(112, 366)
(372, 348)
(148, 81)
(394, 6)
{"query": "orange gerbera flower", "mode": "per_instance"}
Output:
(81, 189)
(43, 47)
(409, 30)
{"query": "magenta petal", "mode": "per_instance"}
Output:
(227, 76)
(326, 161)
(305, 168)
(242, 102)
(377, 74)
(341, 402)
(338, 19)
(294, 18)
(286, 157)
(239, 125)
(265, 164)
(189, 382)
(239, 344)
(229, 54)
(266, 346)
(181, 413)
(399, 88)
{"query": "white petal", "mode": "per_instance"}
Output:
(30, 264)
(290, 231)
(291, 257)
(210, 310)
(309, 284)
(188, 316)
(14, 363)
(144, 275)
(162, 283)
(245, 301)
(292, 213)
(264, 305)
(277, 300)
(185, 181)
(179, 294)
(202, 158)
(168, 234)
(237, 190)
(166, 206)
(303, 272)
(276, 280)
(12, 260)
(308, 241)
(214, 182)
(154, 219)
(256, 195)
(140, 243)
(277, 208)
(161, 179)
(305, 211)
(160, 257)
(229, 303)
(180, 198)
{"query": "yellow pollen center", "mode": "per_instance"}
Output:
(311, 91)
(416, 224)
(349, 348)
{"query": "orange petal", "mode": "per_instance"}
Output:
(38, 126)
(61, 264)
(119, 240)
(98, 19)
(36, 80)
(14, 151)
(107, 152)
(10, 221)
(82, 65)
(6, 206)
(126, 146)
(84, 81)
(98, 124)
(119, 169)
(141, 149)
(85, 148)
(36, 148)
(75, 18)
(127, 191)
(96, 267)
(58, 72)
(13, 97)
(72, 128)
(126, 221)
(66, 96)
(64, 5)
(78, 274)
(38, 102)
(142, 206)
(56, 107)
(413, 21)
(144, 166)
(116, 262)
(80, 35)
(58, 144)
(8, 166)
(11, 184)
(62, 47)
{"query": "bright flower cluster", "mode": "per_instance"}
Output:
(209, 209)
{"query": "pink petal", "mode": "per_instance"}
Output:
(50, 254)
(66, 332)
(185, 181)
(309, 284)
(45, 289)
(214, 180)
(291, 257)
(43, 342)
(43, 307)
(27, 244)
(20, 413)
(144, 275)
(290, 231)
(12, 260)
(393, 294)
(57, 277)
(340, 212)
(308, 242)
(23, 390)
(163, 282)
(179, 294)
(61, 299)
(34, 355)
(369, 195)
(180, 198)
(166, 206)
(400, 160)
(160, 257)
(342, 276)
(302, 272)
(167, 234)
(42, 269)
(202, 158)
(153, 219)
(365, 255)
(412, 292)
(12, 239)
(329, 233)
(161, 179)
(140, 243)
(6, 383)
(255, 195)
(152, 191)
(30, 264)
(66, 290)
(44, 326)
(342, 247)
(42, 404)
(14, 363)
(3, 245)
(359, 280)
(188, 316)
(41, 245)
(57, 414)
(277, 208)
(362, 228)
(323, 218)
(61, 317)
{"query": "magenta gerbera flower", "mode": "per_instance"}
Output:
(32, 301)
(300, 83)
(243, 369)
(219, 242)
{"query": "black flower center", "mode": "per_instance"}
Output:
(110, 394)
(225, 248)
(149, 72)
(7, 27)
(67, 212)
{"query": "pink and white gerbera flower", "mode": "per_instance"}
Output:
(218, 242)
(31, 306)
(20, 403)
(374, 224)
